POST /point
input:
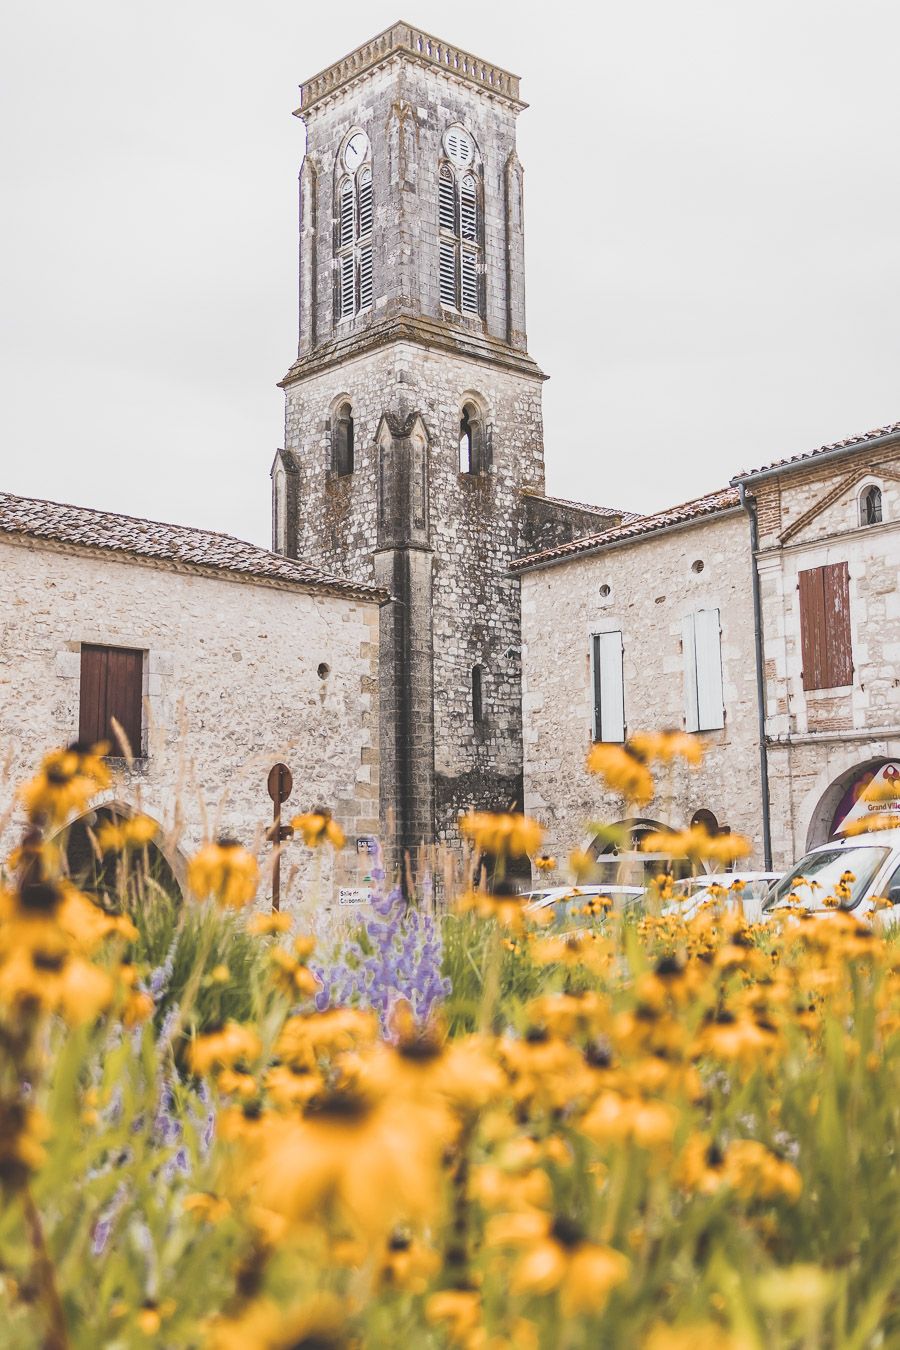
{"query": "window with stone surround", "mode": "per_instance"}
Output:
(870, 505)
(825, 641)
(609, 687)
(112, 689)
(459, 220)
(474, 446)
(355, 212)
(342, 440)
(478, 696)
(702, 649)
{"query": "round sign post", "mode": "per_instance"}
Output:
(280, 784)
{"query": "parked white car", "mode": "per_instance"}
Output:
(569, 903)
(691, 894)
(868, 864)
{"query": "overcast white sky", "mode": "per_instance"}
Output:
(712, 217)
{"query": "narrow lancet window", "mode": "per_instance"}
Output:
(342, 441)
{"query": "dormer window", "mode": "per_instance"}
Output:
(870, 508)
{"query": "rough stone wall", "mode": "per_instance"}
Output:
(405, 108)
(817, 735)
(231, 686)
(652, 587)
(476, 524)
(550, 522)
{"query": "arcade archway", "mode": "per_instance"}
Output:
(842, 800)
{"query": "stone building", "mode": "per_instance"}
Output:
(218, 659)
(826, 527)
(413, 451)
(642, 627)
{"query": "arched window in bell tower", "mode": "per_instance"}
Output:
(474, 454)
(342, 440)
(459, 220)
(354, 226)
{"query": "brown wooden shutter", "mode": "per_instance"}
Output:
(825, 626)
(838, 647)
(111, 687)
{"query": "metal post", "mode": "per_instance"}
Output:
(280, 784)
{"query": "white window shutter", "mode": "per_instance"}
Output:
(346, 283)
(365, 276)
(447, 203)
(469, 281)
(609, 688)
(345, 227)
(689, 648)
(366, 205)
(468, 209)
(448, 273)
(708, 643)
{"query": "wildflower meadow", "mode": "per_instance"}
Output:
(445, 1125)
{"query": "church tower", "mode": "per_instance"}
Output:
(413, 428)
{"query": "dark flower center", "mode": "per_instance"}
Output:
(566, 1231)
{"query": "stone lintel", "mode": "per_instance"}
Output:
(411, 43)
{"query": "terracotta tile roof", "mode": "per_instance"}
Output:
(171, 543)
(850, 443)
(578, 506)
(726, 499)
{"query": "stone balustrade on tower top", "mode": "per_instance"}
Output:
(403, 37)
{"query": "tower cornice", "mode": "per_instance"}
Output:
(417, 330)
(411, 43)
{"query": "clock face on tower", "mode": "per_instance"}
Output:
(355, 150)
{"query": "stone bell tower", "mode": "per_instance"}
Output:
(413, 430)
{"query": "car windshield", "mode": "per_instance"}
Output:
(818, 876)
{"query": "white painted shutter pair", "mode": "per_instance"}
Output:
(704, 708)
(352, 229)
(609, 688)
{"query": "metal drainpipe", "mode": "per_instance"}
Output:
(749, 506)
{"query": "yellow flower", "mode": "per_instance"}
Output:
(407, 1264)
(697, 844)
(222, 1047)
(459, 1310)
(544, 863)
(615, 1118)
(265, 1325)
(758, 1174)
(266, 925)
(294, 978)
(137, 1008)
(225, 871)
(67, 781)
(207, 1207)
(623, 770)
(319, 827)
(502, 835)
(559, 1257)
(373, 1156)
(667, 745)
(22, 1134)
(114, 836)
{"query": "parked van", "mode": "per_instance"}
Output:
(868, 864)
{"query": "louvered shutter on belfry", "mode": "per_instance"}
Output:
(448, 273)
(345, 228)
(447, 202)
(366, 210)
(469, 276)
(365, 276)
(346, 264)
(468, 209)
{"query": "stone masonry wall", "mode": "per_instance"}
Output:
(819, 736)
(652, 586)
(231, 684)
(476, 524)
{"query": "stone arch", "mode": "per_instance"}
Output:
(94, 876)
(636, 866)
(342, 432)
(870, 502)
(475, 434)
(827, 797)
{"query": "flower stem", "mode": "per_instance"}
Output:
(57, 1336)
